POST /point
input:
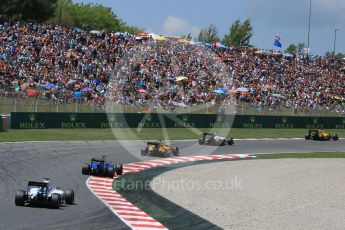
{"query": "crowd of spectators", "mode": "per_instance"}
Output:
(71, 64)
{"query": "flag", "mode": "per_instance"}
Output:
(277, 41)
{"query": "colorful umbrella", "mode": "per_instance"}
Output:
(181, 78)
(142, 91)
(277, 95)
(224, 90)
(184, 41)
(77, 94)
(218, 91)
(33, 92)
(242, 89)
(87, 89)
(48, 85)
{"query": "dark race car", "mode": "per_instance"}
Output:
(215, 140)
(100, 167)
(42, 193)
(320, 135)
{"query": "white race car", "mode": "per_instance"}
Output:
(42, 193)
(215, 140)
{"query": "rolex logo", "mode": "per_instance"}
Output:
(185, 118)
(112, 118)
(32, 117)
(284, 120)
(72, 117)
(149, 117)
(315, 120)
(252, 119)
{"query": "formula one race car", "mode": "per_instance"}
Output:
(41, 193)
(159, 149)
(320, 135)
(215, 140)
(100, 167)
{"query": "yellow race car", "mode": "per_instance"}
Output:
(320, 135)
(159, 149)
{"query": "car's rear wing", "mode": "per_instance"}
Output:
(97, 159)
(37, 184)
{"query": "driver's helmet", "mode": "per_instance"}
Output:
(41, 191)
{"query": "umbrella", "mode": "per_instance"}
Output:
(33, 92)
(241, 89)
(224, 90)
(287, 55)
(157, 37)
(197, 43)
(218, 91)
(277, 95)
(142, 91)
(143, 35)
(48, 85)
(87, 89)
(207, 44)
(220, 45)
(184, 41)
(95, 32)
(181, 78)
(78, 30)
(259, 52)
(24, 86)
(336, 97)
(77, 94)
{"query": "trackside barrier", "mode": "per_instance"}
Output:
(134, 120)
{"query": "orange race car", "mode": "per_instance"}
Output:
(320, 135)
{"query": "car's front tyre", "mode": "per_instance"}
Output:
(335, 137)
(55, 200)
(86, 169)
(119, 169)
(110, 172)
(20, 198)
(69, 196)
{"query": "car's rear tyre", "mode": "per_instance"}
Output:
(69, 196)
(176, 152)
(119, 169)
(20, 198)
(231, 141)
(201, 141)
(335, 137)
(56, 200)
(110, 172)
(86, 169)
(314, 137)
(143, 152)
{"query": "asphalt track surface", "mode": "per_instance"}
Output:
(62, 161)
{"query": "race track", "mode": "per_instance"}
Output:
(61, 161)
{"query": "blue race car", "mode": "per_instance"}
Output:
(100, 167)
(42, 193)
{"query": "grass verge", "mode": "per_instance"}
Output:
(144, 134)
